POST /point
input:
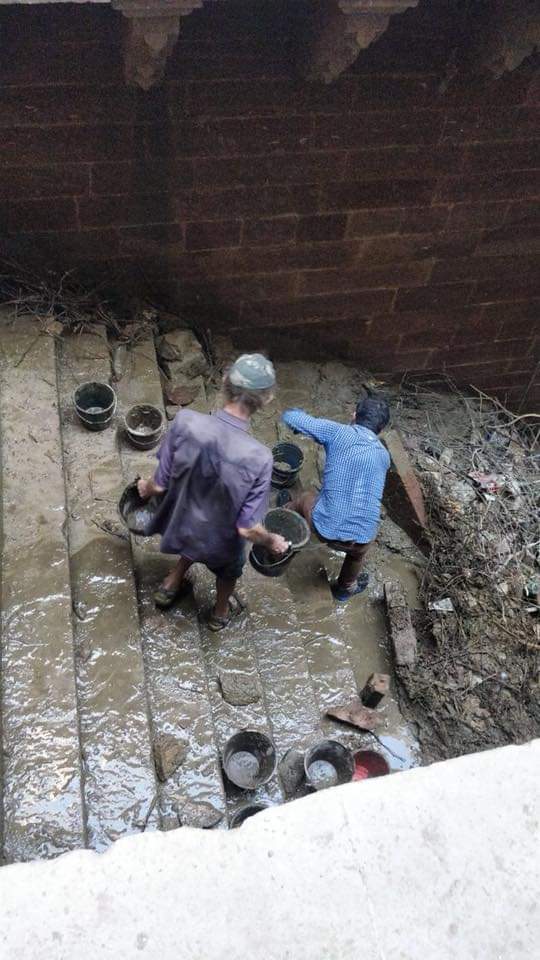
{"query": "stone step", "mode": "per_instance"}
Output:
(42, 800)
(231, 654)
(175, 670)
(119, 780)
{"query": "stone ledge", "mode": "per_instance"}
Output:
(438, 863)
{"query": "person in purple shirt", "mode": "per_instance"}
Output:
(215, 478)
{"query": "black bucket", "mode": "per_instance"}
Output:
(144, 425)
(249, 759)
(245, 812)
(288, 460)
(289, 525)
(328, 764)
(268, 564)
(95, 404)
(136, 512)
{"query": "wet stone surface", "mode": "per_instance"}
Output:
(116, 715)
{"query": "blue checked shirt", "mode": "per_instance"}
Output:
(349, 504)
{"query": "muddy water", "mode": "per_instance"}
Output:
(43, 810)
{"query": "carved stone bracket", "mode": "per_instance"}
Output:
(152, 29)
(342, 28)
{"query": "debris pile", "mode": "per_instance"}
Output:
(476, 680)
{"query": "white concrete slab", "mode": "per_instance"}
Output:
(438, 863)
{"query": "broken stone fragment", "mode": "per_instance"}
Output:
(169, 752)
(182, 394)
(181, 352)
(402, 632)
(377, 686)
(238, 689)
(201, 815)
(355, 714)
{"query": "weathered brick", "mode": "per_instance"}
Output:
(424, 219)
(368, 223)
(126, 211)
(476, 216)
(456, 354)
(242, 97)
(490, 157)
(247, 202)
(376, 193)
(141, 176)
(362, 276)
(269, 230)
(57, 180)
(385, 128)
(523, 286)
(245, 171)
(148, 239)
(511, 239)
(213, 234)
(34, 145)
(211, 137)
(480, 267)
(394, 162)
(38, 106)
(312, 309)
(507, 185)
(61, 63)
(319, 228)
(443, 296)
(33, 216)
(222, 263)
(512, 320)
(420, 246)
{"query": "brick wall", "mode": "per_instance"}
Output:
(378, 219)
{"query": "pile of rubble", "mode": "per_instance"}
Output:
(476, 680)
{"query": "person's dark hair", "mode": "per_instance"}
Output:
(252, 400)
(373, 413)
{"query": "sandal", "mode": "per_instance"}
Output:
(164, 598)
(339, 593)
(220, 623)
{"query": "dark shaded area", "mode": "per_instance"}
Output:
(390, 218)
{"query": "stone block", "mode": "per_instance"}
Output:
(403, 497)
(402, 633)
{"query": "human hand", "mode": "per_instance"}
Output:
(145, 488)
(277, 544)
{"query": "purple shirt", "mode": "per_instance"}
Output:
(217, 478)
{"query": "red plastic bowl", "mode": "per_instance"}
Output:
(368, 763)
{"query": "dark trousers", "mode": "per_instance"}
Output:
(354, 552)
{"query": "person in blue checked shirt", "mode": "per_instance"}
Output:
(346, 513)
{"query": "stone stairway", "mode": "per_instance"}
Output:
(115, 714)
